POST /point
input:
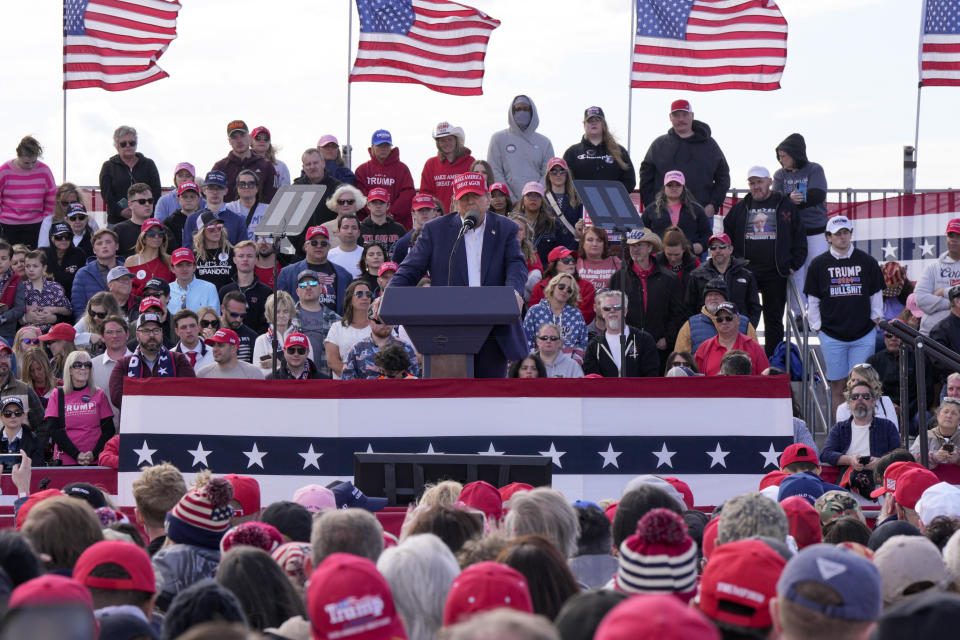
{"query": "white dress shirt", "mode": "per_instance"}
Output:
(473, 245)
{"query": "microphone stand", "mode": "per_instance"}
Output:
(463, 229)
(623, 299)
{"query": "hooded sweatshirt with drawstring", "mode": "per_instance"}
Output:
(518, 154)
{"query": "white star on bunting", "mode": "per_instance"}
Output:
(311, 458)
(770, 457)
(200, 455)
(554, 454)
(491, 451)
(610, 456)
(926, 248)
(144, 454)
(255, 456)
(889, 251)
(718, 456)
(664, 457)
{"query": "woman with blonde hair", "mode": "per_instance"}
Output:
(452, 159)
(27, 337)
(548, 232)
(559, 307)
(565, 201)
(865, 372)
(598, 156)
(286, 314)
(213, 251)
(150, 258)
(261, 143)
(345, 199)
(89, 328)
(67, 194)
(534, 265)
(86, 423)
(35, 371)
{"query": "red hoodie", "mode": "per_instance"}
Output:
(437, 177)
(394, 176)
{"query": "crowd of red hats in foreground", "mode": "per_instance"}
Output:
(796, 559)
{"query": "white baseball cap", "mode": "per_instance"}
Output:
(758, 171)
(941, 499)
(836, 223)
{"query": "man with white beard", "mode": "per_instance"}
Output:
(603, 351)
(703, 326)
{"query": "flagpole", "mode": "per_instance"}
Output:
(633, 33)
(916, 127)
(348, 148)
(64, 48)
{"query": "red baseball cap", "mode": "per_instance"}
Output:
(246, 490)
(150, 301)
(182, 255)
(953, 226)
(132, 558)
(423, 201)
(188, 185)
(556, 162)
(50, 589)
(60, 331)
(804, 521)
(258, 130)
(684, 490)
(150, 223)
(890, 475)
(558, 253)
(34, 498)
(773, 479)
(318, 230)
(387, 266)
(743, 573)
(469, 182)
(911, 484)
(507, 491)
(710, 536)
(485, 586)
(296, 339)
(225, 336)
(721, 237)
(499, 186)
(656, 615)
(381, 194)
(349, 598)
(611, 511)
(680, 105)
(484, 497)
(798, 452)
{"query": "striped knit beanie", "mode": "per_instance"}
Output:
(659, 558)
(203, 515)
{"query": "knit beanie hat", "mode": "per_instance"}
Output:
(203, 515)
(252, 534)
(659, 558)
(294, 559)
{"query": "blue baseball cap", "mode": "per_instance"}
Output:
(216, 178)
(349, 497)
(805, 485)
(853, 577)
(381, 136)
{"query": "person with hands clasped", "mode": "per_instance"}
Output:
(83, 426)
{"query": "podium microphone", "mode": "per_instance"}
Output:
(471, 220)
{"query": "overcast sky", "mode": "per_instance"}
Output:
(849, 88)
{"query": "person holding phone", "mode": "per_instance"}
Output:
(943, 442)
(862, 439)
(84, 424)
(17, 436)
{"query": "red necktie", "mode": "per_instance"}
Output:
(193, 358)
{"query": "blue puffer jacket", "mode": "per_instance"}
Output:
(86, 283)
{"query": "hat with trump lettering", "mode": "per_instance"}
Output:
(348, 598)
(953, 226)
(378, 193)
(423, 201)
(224, 336)
(469, 182)
(739, 581)
(836, 223)
(296, 339)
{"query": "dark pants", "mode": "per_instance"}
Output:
(490, 361)
(22, 234)
(773, 298)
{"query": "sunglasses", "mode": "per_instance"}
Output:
(889, 336)
(155, 234)
(62, 236)
(123, 144)
(237, 315)
(99, 314)
(612, 307)
(12, 414)
(861, 396)
(308, 283)
(718, 247)
(345, 201)
(143, 200)
(77, 216)
(568, 260)
(247, 185)
(207, 324)
(297, 351)
(29, 341)
(724, 318)
(82, 365)
(564, 287)
(262, 138)
(318, 243)
(548, 338)
(558, 171)
(363, 294)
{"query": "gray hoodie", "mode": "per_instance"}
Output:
(517, 155)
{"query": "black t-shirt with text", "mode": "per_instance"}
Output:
(844, 288)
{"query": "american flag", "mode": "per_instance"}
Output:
(436, 43)
(707, 45)
(940, 43)
(115, 44)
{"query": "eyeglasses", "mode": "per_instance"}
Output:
(548, 338)
(123, 144)
(262, 138)
(143, 200)
(98, 314)
(82, 365)
(557, 171)
(861, 396)
(13, 414)
(247, 185)
(568, 260)
(150, 331)
(363, 294)
(62, 236)
(29, 341)
(318, 243)
(207, 324)
(718, 247)
(308, 283)
(297, 351)
(77, 216)
(564, 287)
(612, 307)
(889, 336)
(237, 315)
(155, 234)
(724, 318)
(345, 201)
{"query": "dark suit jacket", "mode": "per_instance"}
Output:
(501, 264)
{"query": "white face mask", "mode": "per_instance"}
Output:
(522, 118)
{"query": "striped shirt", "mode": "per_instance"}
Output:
(26, 196)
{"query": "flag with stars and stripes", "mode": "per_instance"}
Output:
(708, 45)
(436, 43)
(940, 44)
(115, 44)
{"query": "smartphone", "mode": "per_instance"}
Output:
(802, 189)
(864, 460)
(8, 460)
(948, 447)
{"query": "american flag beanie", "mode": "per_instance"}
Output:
(203, 515)
(659, 558)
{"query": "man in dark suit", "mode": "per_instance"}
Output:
(489, 255)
